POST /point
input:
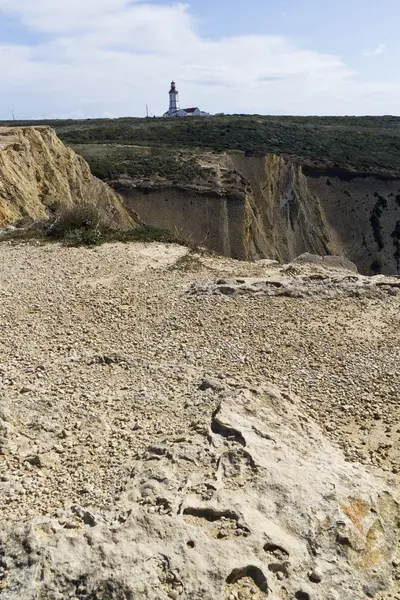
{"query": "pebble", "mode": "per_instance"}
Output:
(223, 533)
(25, 390)
(315, 576)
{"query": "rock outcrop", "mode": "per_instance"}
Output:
(252, 503)
(253, 207)
(332, 278)
(38, 175)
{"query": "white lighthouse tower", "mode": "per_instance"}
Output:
(175, 110)
(173, 99)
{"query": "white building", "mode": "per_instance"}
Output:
(175, 110)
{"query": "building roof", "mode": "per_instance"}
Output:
(190, 110)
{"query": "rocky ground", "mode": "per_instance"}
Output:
(106, 352)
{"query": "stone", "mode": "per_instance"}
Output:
(316, 575)
(239, 447)
(335, 262)
(5, 414)
(266, 262)
(26, 389)
(211, 384)
(298, 285)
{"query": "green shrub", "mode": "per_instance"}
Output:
(79, 224)
(76, 216)
(82, 237)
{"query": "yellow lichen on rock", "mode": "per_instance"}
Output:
(369, 543)
(39, 175)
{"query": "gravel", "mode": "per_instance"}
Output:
(102, 353)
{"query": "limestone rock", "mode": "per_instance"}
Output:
(290, 283)
(258, 505)
(329, 262)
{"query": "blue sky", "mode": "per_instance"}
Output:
(89, 58)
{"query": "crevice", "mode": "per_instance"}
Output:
(157, 453)
(278, 568)
(254, 573)
(104, 359)
(376, 215)
(276, 551)
(264, 436)
(396, 243)
(226, 432)
(210, 515)
(163, 504)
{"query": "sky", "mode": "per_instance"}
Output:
(109, 58)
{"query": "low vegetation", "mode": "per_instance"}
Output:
(84, 225)
(78, 224)
(110, 161)
(366, 144)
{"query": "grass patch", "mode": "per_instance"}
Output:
(76, 217)
(80, 224)
(34, 231)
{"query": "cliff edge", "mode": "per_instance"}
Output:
(252, 207)
(38, 175)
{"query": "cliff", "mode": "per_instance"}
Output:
(363, 212)
(246, 205)
(38, 175)
(252, 207)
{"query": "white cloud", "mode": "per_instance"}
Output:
(100, 57)
(61, 15)
(377, 51)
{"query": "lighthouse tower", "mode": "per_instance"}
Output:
(173, 99)
(174, 108)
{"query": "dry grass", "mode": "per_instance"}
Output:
(88, 224)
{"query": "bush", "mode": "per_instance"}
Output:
(86, 225)
(79, 224)
(82, 237)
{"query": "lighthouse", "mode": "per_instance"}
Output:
(175, 110)
(173, 99)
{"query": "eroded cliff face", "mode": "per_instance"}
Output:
(283, 219)
(38, 174)
(268, 206)
(251, 208)
(364, 217)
